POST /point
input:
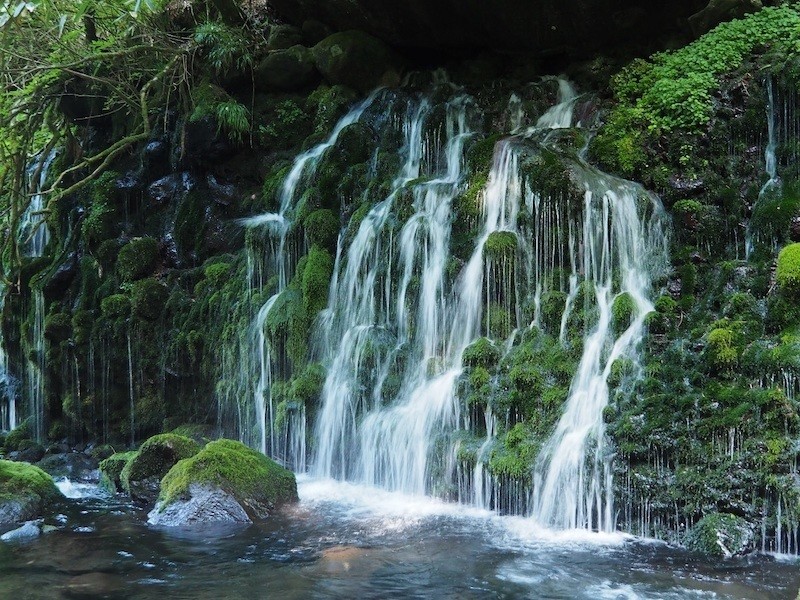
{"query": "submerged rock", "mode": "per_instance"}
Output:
(226, 482)
(141, 475)
(721, 534)
(25, 491)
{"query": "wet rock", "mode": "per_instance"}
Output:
(30, 529)
(30, 452)
(794, 229)
(18, 509)
(95, 585)
(354, 59)
(164, 190)
(111, 470)
(314, 31)
(204, 144)
(63, 277)
(221, 193)
(721, 534)
(76, 466)
(686, 186)
(204, 504)
(223, 473)
(285, 70)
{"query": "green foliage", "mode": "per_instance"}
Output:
(22, 432)
(137, 258)
(788, 272)
(58, 327)
(218, 273)
(237, 469)
(306, 388)
(623, 310)
(224, 47)
(322, 228)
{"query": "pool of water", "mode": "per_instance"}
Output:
(345, 541)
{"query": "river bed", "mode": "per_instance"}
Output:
(346, 541)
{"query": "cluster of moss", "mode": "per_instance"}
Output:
(237, 469)
(22, 479)
(155, 457)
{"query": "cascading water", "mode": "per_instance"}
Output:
(773, 184)
(34, 236)
(375, 329)
(8, 391)
(572, 477)
(277, 227)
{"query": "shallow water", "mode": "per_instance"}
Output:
(346, 541)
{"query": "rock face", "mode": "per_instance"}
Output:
(354, 59)
(25, 491)
(227, 482)
(111, 470)
(522, 25)
(721, 534)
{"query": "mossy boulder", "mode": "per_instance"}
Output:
(58, 327)
(148, 298)
(111, 470)
(501, 245)
(141, 475)
(225, 482)
(788, 271)
(137, 258)
(322, 228)
(721, 534)
(115, 306)
(354, 59)
(23, 431)
(481, 353)
(286, 69)
(25, 491)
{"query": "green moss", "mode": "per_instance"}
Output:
(623, 311)
(720, 534)
(288, 324)
(111, 470)
(316, 279)
(23, 431)
(306, 388)
(137, 258)
(23, 479)
(237, 469)
(115, 306)
(148, 297)
(58, 327)
(552, 309)
(481, 353)
(102, 212)
(501, 245)
(322, 228)
(218, 273)
(480, 155)
(788, 272)
(157, 456)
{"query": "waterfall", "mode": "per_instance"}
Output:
(8, 391)
(572, 475)
(34, 236)
(277, 227)
(389, 316)
(773, 184)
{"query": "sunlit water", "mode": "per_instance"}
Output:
(350, 541)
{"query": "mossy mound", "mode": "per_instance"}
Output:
(25, 490)
(23, 432)
(501, 244)
(141, 475)
(258, 484)
(111, 470)
(721, 534)
(788, 271)
(137, 258)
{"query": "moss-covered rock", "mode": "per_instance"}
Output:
(115, 306)
(137, 258)
(481, 353)
(244, 485)
(58, 327)
(788, 271)
(501, 245)
(354, 59)
(322, 228)
(286, 69)
(141, 475)
(148, 297)
(25, 491)
(721, 534)
(23, 431)
(316, 278)
(111, 470)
